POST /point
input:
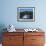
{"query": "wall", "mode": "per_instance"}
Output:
(8, 13)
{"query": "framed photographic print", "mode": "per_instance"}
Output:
(26, 14)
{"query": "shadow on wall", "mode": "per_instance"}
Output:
(2, 26)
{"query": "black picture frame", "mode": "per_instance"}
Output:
(26, 14)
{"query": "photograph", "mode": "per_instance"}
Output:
(25, 14)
